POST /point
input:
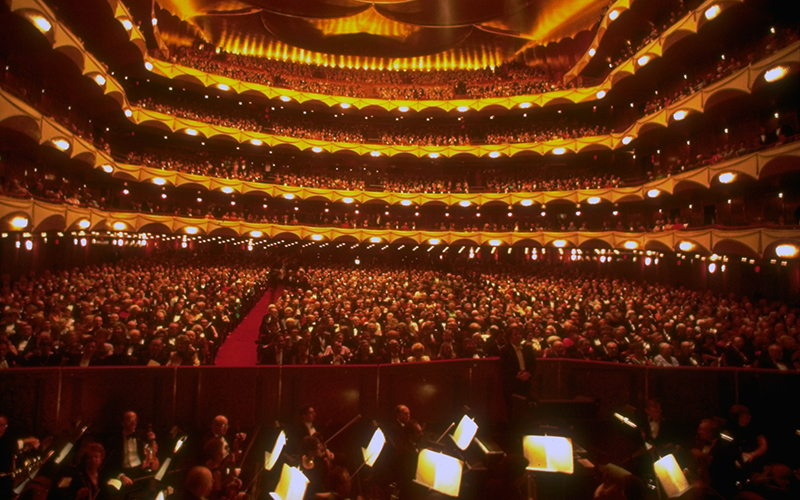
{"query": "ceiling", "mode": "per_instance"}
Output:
(499, 29)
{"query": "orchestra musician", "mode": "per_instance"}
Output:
(219, 429)
(10, 446)
(132, 454)
(86, 483)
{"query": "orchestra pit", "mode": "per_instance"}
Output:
(399, 249)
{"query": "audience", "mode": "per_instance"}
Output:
(386, 313)
(157, 311)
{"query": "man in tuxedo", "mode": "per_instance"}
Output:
(127, 457)
(517, 365)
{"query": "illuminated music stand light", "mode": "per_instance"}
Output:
(163, 470)
(439, 472)
(548, 454)
(374, 448)
(291, 486)
(270, 459)
(671, 476)
(465, 432)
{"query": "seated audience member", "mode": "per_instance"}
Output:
(665, 357)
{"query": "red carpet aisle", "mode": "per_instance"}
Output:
(239, 348)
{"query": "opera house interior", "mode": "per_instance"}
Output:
(399, 249)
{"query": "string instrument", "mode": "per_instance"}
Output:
(150, 449)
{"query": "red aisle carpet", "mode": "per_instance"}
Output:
(239, 348)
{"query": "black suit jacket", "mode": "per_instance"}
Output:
(115, 451)
(509, 368)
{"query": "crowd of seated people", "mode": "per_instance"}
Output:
(505, 80)
(248, 119)
(15, 80)
(156, 311)
(497, 182)
(629, 49)
(201, 163)
(148, 199)
(340, 314)
(254, 120)
(724, 66)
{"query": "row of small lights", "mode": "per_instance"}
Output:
(651, 257)
(771, 75)
(20, 223)
(782, 251)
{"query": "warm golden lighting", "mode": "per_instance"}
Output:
(548, 453)
(256, 142)
(107, 168)
(119, 226)
(374, 448)
(434, 155)
(613, 15)
(348, 200)
(191, 230)
(227, 190)
(526, 203)
(680, 114)
(270, 459)
(316, 237)
(786, 251)
(19, 222)
(191, 131)
(494, 154)
(627, 140)
(434, 241)
(61, 144)
(653, 193)
(631, 245)
(159, 181)
(439, 472)
(465, 432)
(671, 476)
(84, 223)
(289, 196)
(560, 243)
(41, 23)
(559, 151)
(594, 200)
(601, 94)
(643, 60)
(713, 11)
(727, 177)
(495, 243)
(375, 239)
(776, 73)
(685, 246)
(463, 109)
(291, 486)
(256, 233)
(99, 79)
